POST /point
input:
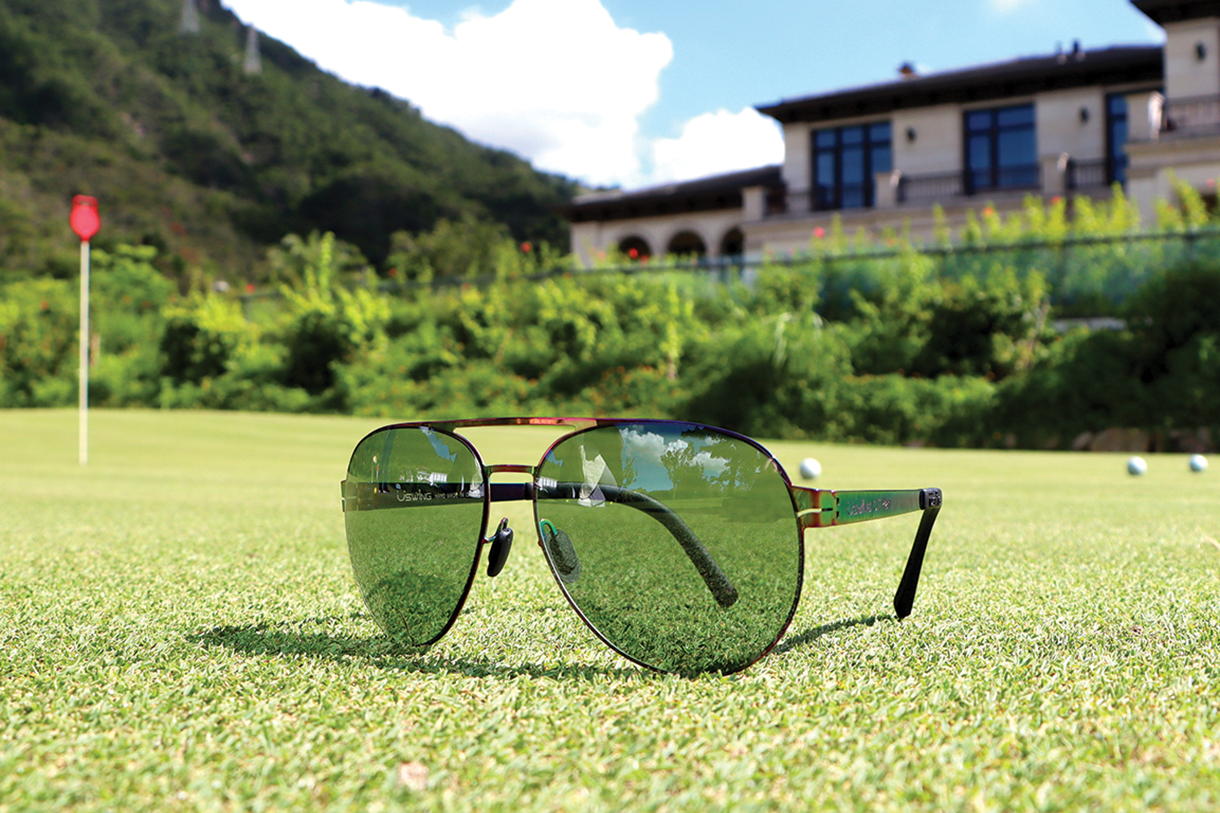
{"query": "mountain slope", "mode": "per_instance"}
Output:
(188, 152)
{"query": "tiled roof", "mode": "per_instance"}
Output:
(1118, 65)
(1170, 11)
(700, 195)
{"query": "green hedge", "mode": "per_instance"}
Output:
(940, 347)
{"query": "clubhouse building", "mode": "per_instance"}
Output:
(1075, 122)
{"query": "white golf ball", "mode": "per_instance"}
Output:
(1198, 463)
(1136, 466)
(811, 469)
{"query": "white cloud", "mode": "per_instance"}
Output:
(647, 450)
(647, 446)
(712, 467)
(718, 142)
(556, 81)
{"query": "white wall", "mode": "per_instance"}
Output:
(937, 147)
(797, 173)
(1144, 113)
(1185, 74)
(1060, 130)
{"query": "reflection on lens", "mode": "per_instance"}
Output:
(414, 518)
(684, 540)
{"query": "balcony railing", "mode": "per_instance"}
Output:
(929, 188)
(1085, 174)
(941, 186)
(1021, 176)
(945, 187)
(1192, 113)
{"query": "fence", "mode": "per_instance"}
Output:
(1086, 276)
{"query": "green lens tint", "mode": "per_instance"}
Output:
(415, 514)
(677, 543)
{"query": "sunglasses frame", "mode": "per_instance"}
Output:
(812, 508)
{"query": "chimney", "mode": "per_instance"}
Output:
(189, 21)
(254, 62)
(907, 70)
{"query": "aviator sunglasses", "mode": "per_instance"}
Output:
(680, 545)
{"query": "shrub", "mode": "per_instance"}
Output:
(986, 329)
(128, 300)
(463, 248)
(1163, 372)
(1171, 311)
(771, 377)
(39, 323)
(324, 323)
(202, 338)
(947, 347)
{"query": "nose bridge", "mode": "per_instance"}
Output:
(501, 542)
(510, 468)
(510, 492)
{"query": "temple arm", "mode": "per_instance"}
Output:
(372, 496)
(821, 508)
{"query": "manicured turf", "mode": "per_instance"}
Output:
(179, 629)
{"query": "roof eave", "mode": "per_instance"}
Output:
(1174, 11)
(1006, 80)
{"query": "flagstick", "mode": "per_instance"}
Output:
(84, 352)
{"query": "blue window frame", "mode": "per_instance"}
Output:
(1001, 149)
(1116, 138)
(844, 161)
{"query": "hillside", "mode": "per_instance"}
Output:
(189, 152)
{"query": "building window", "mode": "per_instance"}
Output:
(1116, 138)
(1001, 149)
(844, 161)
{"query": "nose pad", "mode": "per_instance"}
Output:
(501, 544)
(561, 551)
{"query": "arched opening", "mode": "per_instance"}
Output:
(686, 243)
(733, 244)
(634, 248)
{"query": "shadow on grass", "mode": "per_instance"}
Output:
(381, 651)
(810, 635)
(384, 652)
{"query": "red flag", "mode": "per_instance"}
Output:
(85, 220)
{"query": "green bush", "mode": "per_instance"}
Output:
(1172, 311)
(465, 248)
(1162, 372)
(894, 409)
(325, 323)
(202, 338)
(949, 347)
(988, 329)
(39, 324)
(128, 301)
(773, 377)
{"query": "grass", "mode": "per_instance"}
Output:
(179, 631)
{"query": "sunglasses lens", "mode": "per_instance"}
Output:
(677, 543)
(415, 516)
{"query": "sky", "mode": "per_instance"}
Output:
(636, 93)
